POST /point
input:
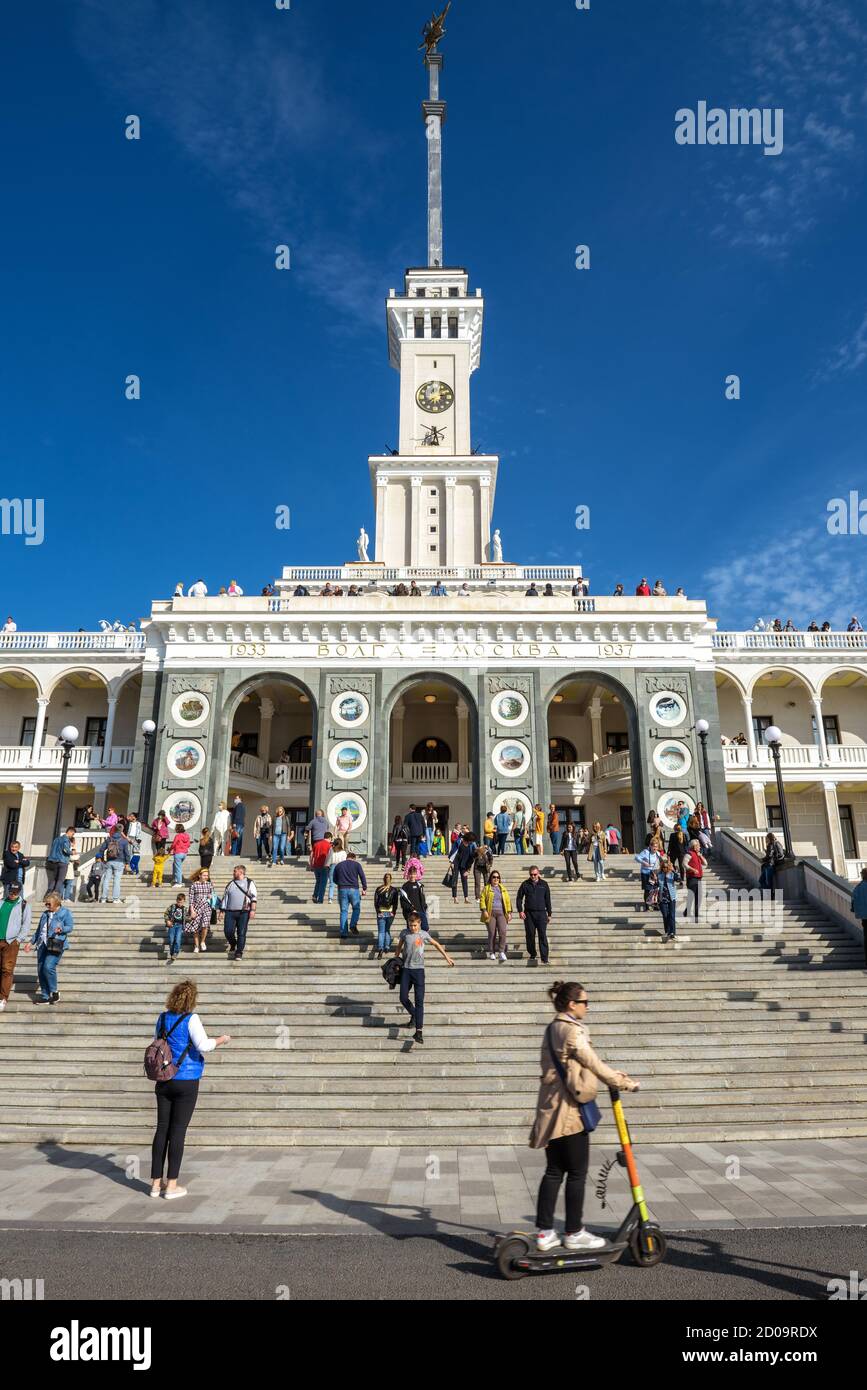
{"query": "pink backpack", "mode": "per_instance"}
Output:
(158, 1062)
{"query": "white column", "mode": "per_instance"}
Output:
(463, 740)
(415, 521)
(266, 714)
(835, 830)
(823, 742)
(27, 815)
(749, 730)
(397, 742)
(381, 494)
(109, 731)
(760, 807)
(484, 539)
(451, 484)
(595, 712)
(39, 732)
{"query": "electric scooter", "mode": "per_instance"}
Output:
(516, 1255)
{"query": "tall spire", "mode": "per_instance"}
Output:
(434, 113)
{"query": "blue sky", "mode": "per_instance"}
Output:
(602, 387)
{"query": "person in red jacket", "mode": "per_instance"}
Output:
(320, 856)
(694, 865)
(643, 589)
(179, 849)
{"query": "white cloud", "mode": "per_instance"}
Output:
(806, 575)
(849, 355)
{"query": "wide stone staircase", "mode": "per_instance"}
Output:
(743, 1030)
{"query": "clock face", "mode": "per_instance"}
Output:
(435, 397)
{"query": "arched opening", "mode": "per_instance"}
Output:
(19, 693)
(271, 750)
(591, 728)
(432, 749)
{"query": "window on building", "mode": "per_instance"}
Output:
(94, 733)
(436, 325)
(775, 818)
(453, 327)
(12, 817)
(433, 530)
(560, 750)
(419, 327)
(28, 732)
(453, 291)
(760, 723)
(433, 492)
(831, 725)
(301, 749)
(433, 549)
(847, 825)
(420, 294)
(431, 750)
(616, 742)
(433, 511)
(245, 743)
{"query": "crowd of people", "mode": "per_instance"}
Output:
(776, 625)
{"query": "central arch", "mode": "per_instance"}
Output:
(595, 715)
(438, 709)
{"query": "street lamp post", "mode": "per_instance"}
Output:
(148, 729)
(702, 728)
(68, 740)
(774, 738)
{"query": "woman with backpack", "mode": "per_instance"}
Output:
(385, 906)
(695, 865)
(179, 1032)
(678, 845)
(566, 1114)
(482, 861)
(772, 858)
(648, 862)
(206, 849)
(399, 841)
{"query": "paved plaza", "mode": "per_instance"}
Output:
(410, 1191)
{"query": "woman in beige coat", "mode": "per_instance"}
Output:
(558, 1128)
(597, 850)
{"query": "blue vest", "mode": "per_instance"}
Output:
(194, 1063)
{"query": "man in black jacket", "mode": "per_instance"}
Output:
(14, 864)
(416, 827)
(534, 905)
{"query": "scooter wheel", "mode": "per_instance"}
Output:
(648, 1246)
(508, 1251)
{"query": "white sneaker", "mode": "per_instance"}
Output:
(171, 1196)
(503, 956)
(493, 955)
(584, 1240)
(2, 1005)
(547, 1240)
(204, 946)
(195, 950)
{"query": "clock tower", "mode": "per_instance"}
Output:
(434, 497)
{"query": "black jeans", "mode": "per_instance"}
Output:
(567, 1157)
(413, 980)
(571, 858)
(235, 926)
(693, 885)
(176, 1101)
(537, 922)
(56, 871)
(864, 929)
(462, 875)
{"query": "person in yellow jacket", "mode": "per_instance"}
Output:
(496, 911)
(538, 828)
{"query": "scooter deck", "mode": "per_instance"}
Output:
(559, 1258)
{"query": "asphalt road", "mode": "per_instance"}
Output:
(790, 1264)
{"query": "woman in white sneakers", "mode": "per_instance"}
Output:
(571, 1071)
(199, 909)
(176, 1099)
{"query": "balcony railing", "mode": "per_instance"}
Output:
(83, 759)
(797, 755)
(72, 641)
(791, 641)
(433, 772)
(278, 774)
(581, 774)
